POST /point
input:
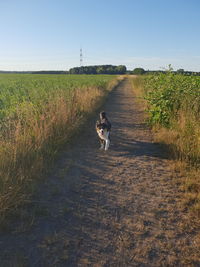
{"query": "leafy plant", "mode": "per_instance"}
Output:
(174, 103)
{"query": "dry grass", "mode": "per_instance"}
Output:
(183, 141)
(137, 84)
(190, 184)
(31, 141)
(179, 144)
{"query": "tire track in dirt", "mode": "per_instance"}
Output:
(114, 208)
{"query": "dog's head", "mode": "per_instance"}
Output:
(101, 127)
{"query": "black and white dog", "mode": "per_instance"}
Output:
(103, 127)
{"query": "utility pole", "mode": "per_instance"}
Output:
(81, 57)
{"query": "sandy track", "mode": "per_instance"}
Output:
(115, 208)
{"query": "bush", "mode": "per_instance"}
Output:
(174, 103)
(138, 71)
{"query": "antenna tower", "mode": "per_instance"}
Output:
(81, 57)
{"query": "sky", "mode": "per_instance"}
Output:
(48, 34)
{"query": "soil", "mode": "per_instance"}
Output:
(119, 207)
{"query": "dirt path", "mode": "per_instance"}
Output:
(115, 208)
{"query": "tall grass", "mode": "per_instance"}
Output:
(38, 114)
(173, 104)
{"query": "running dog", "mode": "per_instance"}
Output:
(103, 128)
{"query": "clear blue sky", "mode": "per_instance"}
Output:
(48, 34)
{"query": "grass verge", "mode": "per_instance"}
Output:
(174, 118)
(31, 140)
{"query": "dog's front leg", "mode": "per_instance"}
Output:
(101, 143)
(107, 144)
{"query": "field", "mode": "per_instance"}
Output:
(123, 207)
(38, 114)
(173, 105)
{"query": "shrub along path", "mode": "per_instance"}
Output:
(115, 208)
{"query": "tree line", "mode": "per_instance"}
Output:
(141, 71)
(105, 69)
(99, 69)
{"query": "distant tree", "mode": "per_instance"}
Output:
(180, 71)
(111, 70)
(138, 71)
(74, 71)
(121, 69)
(99, 69)
(92, 70)
(82, 70)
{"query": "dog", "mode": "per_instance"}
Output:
(103, 128)
(104, 135)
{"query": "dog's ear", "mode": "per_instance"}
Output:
(97, 123)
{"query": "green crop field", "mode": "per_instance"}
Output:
(174, 104)
(38, 114)
(32, 90)
(170, 94)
